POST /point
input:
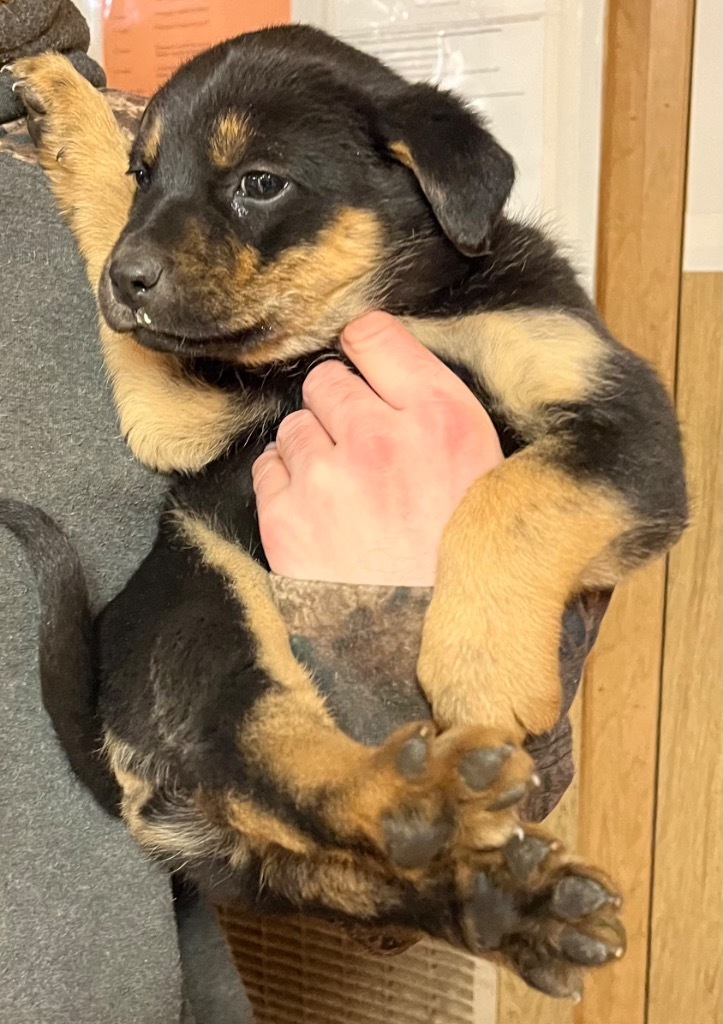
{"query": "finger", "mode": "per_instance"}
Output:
(269, 475)
(339, 399)
(396, 365)
(300, 439)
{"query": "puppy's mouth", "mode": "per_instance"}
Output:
(229, 347)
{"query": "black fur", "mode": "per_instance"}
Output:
(68, 677)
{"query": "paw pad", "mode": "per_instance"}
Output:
(554, 980)
(412, 758)
(412, 840)
(525, 854)
(577, 896)
(495, 913)
(590, 950)
(481, 768)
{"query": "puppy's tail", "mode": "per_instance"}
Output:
(67, 677)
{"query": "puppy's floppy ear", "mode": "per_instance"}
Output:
(464, 173)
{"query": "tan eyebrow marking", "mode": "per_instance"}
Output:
(152, 140)
(229, 138)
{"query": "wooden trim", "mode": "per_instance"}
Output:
(644, 154)
(685, 942)
(646, 102)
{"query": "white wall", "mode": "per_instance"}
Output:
(92, 11)
(703, 249)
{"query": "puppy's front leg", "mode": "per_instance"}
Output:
(599, 489)
(170, 419)
(523, 541)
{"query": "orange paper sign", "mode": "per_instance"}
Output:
(144, 41)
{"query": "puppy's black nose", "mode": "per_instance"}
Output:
(133, 276)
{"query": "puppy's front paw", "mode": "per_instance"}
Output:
(78, 140)
(53, 93)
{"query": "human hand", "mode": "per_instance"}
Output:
(362, 481)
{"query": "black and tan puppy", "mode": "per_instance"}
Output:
(281, 184)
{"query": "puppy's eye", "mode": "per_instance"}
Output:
(142, 175)
(261, 185)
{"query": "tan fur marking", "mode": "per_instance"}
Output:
(290, 728)
(401, 152)
(525, 536)
(186, 833)
(207, 272)
(435, 192)
(185, 836)
(170, 421)
(526, 359)
(262, 829)
(151, 139)
(136, 793)
(303, 297)
(335, 880)
(311, 290)
(136, 790)
(229, 139)
(249, 582)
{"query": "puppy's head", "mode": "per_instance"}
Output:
(287, 183)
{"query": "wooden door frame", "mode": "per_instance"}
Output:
(646, 101)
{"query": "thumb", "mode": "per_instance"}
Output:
(390, 359)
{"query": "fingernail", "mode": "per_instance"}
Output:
(270, 446)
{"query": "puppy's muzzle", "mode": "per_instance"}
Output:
(138, 279)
